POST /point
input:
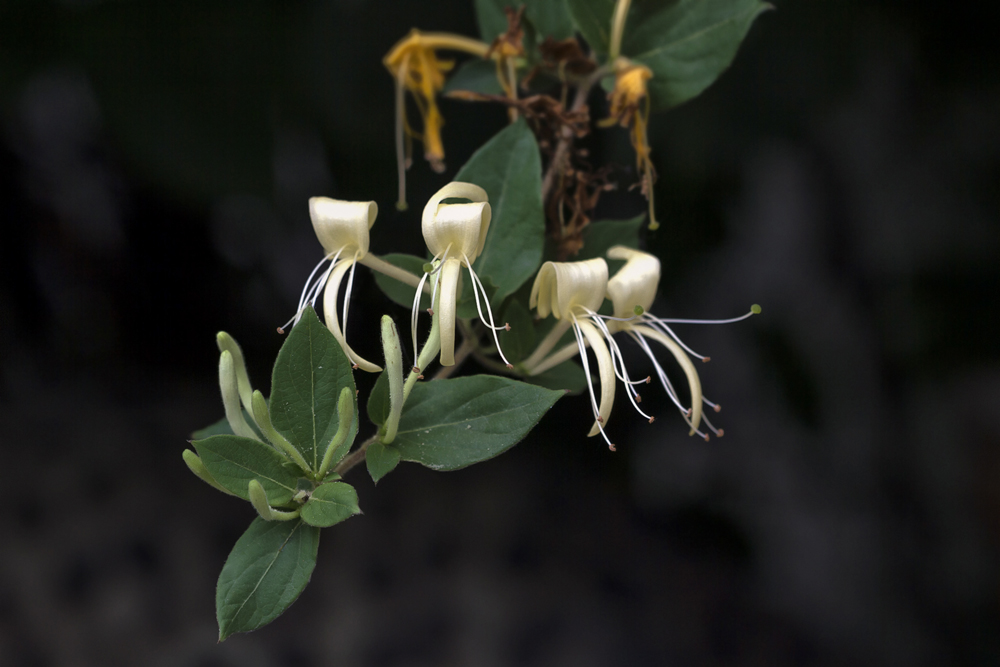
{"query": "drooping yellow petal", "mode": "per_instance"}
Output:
(333, 321)
(567, 288)
(459, 229)
(446, 308)
(342, 226)
(634, 284)
(689, 370)
(606, 372)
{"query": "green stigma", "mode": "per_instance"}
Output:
(428, 267)
(755, 309)
(639, 310)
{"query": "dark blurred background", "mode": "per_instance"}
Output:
(155, 162)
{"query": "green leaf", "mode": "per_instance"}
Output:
(401, 293)
(479, 76)
(378, 400)
(593, 20)
(233, 461)
(381, 459)
(450, 424)
(509, 168)
(551, 18)
(687, 43)
(567, 376)
(330, 504)
(266, 571)
(600, 235)
(309, 373)
(518, 343)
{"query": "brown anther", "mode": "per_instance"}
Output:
(648, 379)
(717, 408)
(638, 398)
(612, 447)
(354, 367)
(687, 413)
(281, 331)
(420, 377)
(705, 360)
(720, 433)
(356, 392)
(652, 419)
(510, 367)
(506, 326)
(415, 370)
(430, 311)
(706, 437)
(600, 419)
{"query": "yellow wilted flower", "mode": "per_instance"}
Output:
(630, 109)
(414, 65)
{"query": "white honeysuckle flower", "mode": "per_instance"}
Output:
(342, 228)
(572, 292)
(632, 290)
(455, 234)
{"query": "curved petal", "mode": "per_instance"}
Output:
(461, 226)
(685, 361)
(446, 308)
(635, 283)
(561, 288)
(605, 369)
(330, 296)
(342, 226)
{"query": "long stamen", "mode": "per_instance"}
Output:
(347, 296)
(590, 382)
(617, 360)
(753, 311)
(658, 324)
(311, 290)
(661, 374)
(414, 313)
(489, 323)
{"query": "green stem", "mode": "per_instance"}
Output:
(549, 342)
(355, 457)
(618, 29)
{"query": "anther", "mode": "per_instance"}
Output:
(720, 433)
(430, 311)
(648, 379)
(506, 326)
(638, 398)
(717, 408)
(416, 370)
(652, 419)
(705, 360)
(281, 331)
(510, 367)
(706, 437)
(600, 419)
(612, 447)
(420, 377)
(354, 367)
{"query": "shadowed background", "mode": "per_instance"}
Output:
(155, 162)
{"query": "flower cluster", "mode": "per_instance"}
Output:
(455, 223)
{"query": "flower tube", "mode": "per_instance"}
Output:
(632, 290)
(342, 229)
(455, 234)
(572, 292)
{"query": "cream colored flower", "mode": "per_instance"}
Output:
(632, 290)
(455, 234)
(572, 292)
(342, 228)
